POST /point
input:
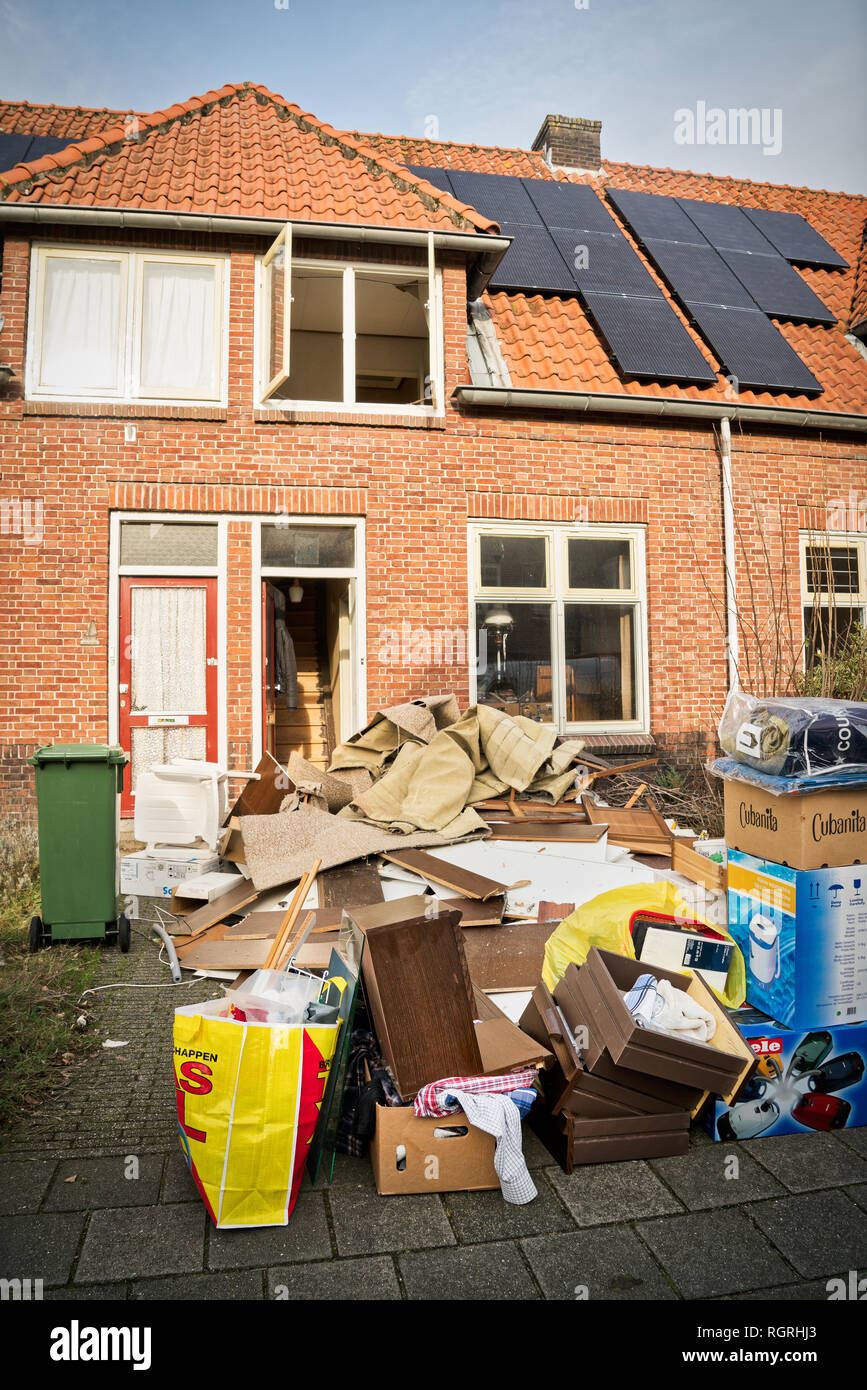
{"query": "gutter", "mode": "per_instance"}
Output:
(583, 402)
(489, 250)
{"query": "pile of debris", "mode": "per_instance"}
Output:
(445, 858)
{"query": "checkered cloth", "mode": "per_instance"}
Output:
(499, 1116)
(432, 1103)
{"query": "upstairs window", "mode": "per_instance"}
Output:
(347, 337)
(126, 325)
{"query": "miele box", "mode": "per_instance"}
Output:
(410, 1154)
(806, 830)
(803, 934)
(804, 1080)
(155, 873)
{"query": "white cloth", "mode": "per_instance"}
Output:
(178, 334)
(496, 1114)
(657, 1004)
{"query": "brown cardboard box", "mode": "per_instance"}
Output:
(460, 1163)
(810, 831)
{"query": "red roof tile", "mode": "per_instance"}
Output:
(550, 343)
(240, 151)
(61, 122)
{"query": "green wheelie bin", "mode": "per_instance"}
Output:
(77, 786)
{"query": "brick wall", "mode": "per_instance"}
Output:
(416, 484)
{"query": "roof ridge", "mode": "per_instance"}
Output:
(94, 145)
(458, 144)
(733, 179)
(56, 106)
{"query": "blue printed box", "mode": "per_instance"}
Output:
(803, 934)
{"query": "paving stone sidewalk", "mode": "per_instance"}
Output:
(674, 1228)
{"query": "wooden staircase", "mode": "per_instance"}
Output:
(307, 730)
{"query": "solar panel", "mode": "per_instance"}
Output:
(726, 227)
(532, 262)
(752, 350)
(646, 338)
(497, 196)
(653, 216)
(777, 288)
(438, 177)
(795, 239)
(605, 264)
(570, 205)
(24, 149)
(698, 273)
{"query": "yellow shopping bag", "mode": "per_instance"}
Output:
(248, 1097)
(604, 922)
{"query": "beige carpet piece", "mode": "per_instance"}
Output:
(280, 848)
(417, 721)
(432, 786)
(336, 789)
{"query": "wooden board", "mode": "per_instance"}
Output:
(640, 828)
(698, 868)
(420, 997)
(357, 884)
(568, 832)
(471, 885)
(211, 913)
(475, 913)
(507, 957)
(264, 797)
(250, 955)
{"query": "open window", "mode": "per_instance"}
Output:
(360, 336)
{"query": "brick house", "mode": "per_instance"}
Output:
(259, 381)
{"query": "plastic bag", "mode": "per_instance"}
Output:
(248, 1099)
(789, 737)
(604, 922)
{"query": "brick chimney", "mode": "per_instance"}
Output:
(570, 142)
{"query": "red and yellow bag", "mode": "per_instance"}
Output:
(248, 1098)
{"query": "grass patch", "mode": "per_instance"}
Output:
(38, 993)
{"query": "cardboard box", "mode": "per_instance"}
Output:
(814, 1080)
(813, 830)
(156, 873)
(803, 934)
(461, 1162)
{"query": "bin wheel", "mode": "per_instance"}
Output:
(124, 934)
(34, 939)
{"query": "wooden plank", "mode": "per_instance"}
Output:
(225, 906)
(475, 913)
(641, 828)
(263, 798)
(555, 831)
(685, 860)
(447, 875)
(419, 992)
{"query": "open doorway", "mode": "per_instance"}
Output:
(306, 675)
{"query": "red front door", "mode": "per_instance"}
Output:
(167, 694)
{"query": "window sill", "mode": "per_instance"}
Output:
(272, 416)
(125, 410)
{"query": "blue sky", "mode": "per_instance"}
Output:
(486, 72)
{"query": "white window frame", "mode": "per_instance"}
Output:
(557, 595)
(132, 278)
(348, 270)
(841, 540)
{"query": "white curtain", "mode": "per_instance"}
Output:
(81, 325)
(168, 656)
(178, 352)
(151, 746)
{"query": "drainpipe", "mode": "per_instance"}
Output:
(728, 510)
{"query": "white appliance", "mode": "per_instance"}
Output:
(764, 949)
